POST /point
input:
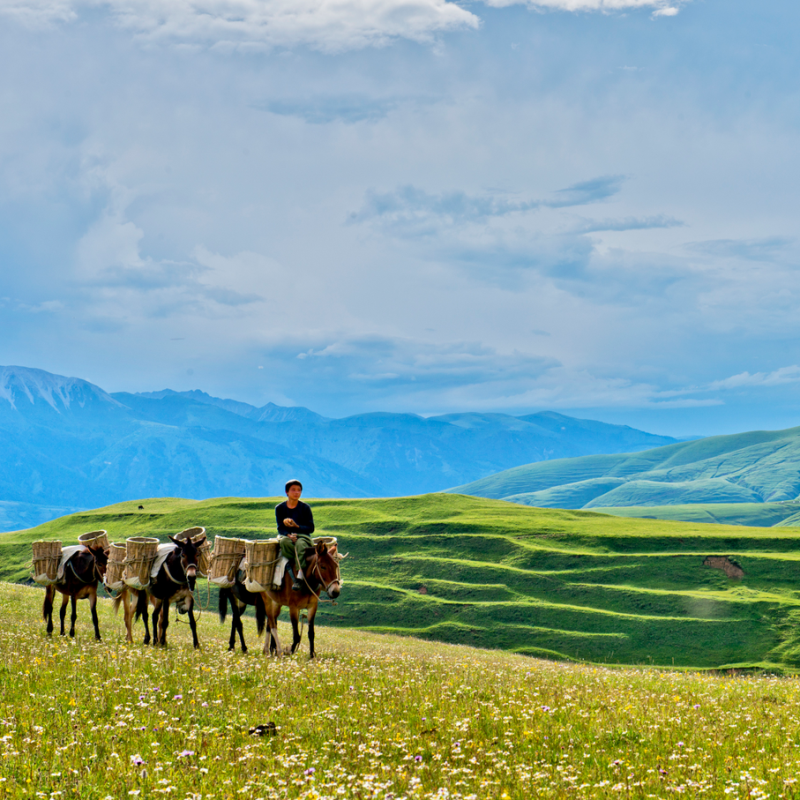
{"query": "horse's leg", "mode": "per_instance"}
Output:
(156, 627)
(73, 616)
(271, 642)
(47, 608)
(164, 624)
(238, 624)
(294, 615)
(63, 611)
(234, 616)
(93, 607)
(142, 611)
(128, 610)
(192, 623)
(312, 612)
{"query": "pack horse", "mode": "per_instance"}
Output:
(74, 573)
(173, 576)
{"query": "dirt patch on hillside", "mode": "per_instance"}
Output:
(731, 569)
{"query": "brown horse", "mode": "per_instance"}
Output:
(81, 575)
(321, 575)
(174, 584)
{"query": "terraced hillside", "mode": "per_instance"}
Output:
(749, 469)
(538, 581)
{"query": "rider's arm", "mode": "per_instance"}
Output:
(305, 525)
(279, 517)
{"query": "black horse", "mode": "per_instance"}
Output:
(82, 572)
(174, 583)
(239, 598)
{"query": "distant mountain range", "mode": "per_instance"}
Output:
(67, 444)
(759, 470)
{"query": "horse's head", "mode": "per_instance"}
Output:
(326, 569)
(100, 559)
(188, 555)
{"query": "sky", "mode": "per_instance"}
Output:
(587, 206)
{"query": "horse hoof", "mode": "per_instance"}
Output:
(244, 649)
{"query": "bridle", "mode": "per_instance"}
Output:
(325, 586)
(184, 568)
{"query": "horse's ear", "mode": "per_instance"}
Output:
(175, 541)
(332, 551)
(199, 542)
(321, 548)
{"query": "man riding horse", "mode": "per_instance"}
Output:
(295, 526)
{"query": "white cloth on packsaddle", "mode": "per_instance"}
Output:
(163, 553)
(66, 555)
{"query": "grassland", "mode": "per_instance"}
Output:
(558, 584)
(721, 472)
(374, 717)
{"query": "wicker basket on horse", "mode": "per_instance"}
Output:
(141, 553)
(203, 552)
(115, 570)
(328, 540)
(46, 556)
(225, 561)
(260, 557)
(94, 539)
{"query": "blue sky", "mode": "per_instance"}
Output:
(410, 205)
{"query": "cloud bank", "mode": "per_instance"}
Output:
(328, 25)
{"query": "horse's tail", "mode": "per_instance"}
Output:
(141, 606)
(223, 604)
(117, 601)
(261, 615)
(47, 606)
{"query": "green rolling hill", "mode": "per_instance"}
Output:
(564, 584)
(704, 479)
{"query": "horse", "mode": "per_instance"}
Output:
(239, 598)
(82, 572)
(321, 575)
(174, 583)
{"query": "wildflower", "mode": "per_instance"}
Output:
(186, 753)
(417, 759)
(178, 697)
(310, 771)
(137, 760)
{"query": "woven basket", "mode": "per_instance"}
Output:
(225, 561)
(141, 553)
(203, 552)
(261, 558)
(94, 539)
(328, 540)
(46, 557)
(115, 570)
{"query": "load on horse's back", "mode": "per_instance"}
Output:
(74, 574)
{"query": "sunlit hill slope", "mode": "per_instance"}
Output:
(749, 478)
(557, 583)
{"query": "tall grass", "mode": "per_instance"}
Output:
(373, 717)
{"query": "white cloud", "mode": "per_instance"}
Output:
(328, 25)
(36, 13)
(663, 7)
(745, 379)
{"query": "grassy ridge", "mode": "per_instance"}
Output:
(748, 469)
(373, 717)
(568, 584)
